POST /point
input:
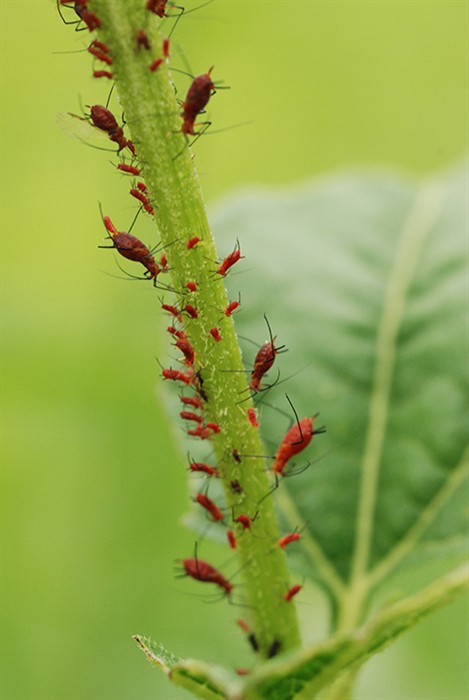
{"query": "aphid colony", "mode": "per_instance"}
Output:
(188, 375)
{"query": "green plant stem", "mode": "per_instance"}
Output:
(153, 120)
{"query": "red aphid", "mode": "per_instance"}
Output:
(244, 520)
(174, 331)
(201, 432)
(210, 506)
(296, 440)
(99, 54)
(204, 468)
(191, 310)
(229, 261)
(236, 486)
(100, 46)
(215, 333)
(91, 20)
(292, 592)
(206, 573)
(198, 95)
(173, 311)
(178, 376)
(213, 426)
(132, 248)
(264, 360)
(130, 169)
(187, 350)
(103, 74)
(142, 40)
(166, 48)
(192, 242)
(232, 306)
(154, 65)
(231, 539)
(164, 263)
(142, 198)
(189, 415)
(251, 413)
(191, 286)
(157, 6)
(288, 539)
(142, 187)
(194, 401)
(104, 119)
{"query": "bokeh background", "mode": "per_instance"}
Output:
(93, 478)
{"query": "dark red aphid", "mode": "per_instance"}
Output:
(236, 456)
(199, 93)
(142, 40)
(143, 199)
(166, 48)
(232, 306)
(104, 119)
(103, 74)
(191, 286)
(292, 592)
(213, 426)
(132, 248)
(264, 360)
(130, 169)
(206, 573)
(229, 261)
(192, 242)
(236, 486)
(91, 20)
(288, 539)
(189, 415)
(215, 333)
(164, 263)
(157, 6)
(174, 312)
(204, 468)
(191, 310)
(231, 539)
(274, 648)
(251, 413)
(210, 506)
(174, 331)
(100, 51)
(178, 376)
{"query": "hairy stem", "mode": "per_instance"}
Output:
(152, 116)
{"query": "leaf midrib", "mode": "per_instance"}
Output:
(414, 232)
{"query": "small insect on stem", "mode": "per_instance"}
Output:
(100, 51)
(132, 248)
(230, 260)
(90, 19)
(129, 169)
(295, 441)
(202, 467)
(288, 539)
(264, 360)
(292, 592)
(104, 119)
(192, 242)
(142, 40)
(206, 573)
(215, 333)
(251, 414)
(231, 539)
(198, 95)
(103, 74)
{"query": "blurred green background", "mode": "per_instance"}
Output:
(93, 484)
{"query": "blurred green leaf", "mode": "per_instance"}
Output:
(363, 276)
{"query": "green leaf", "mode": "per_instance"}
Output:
(364, 278)
(207, 681)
